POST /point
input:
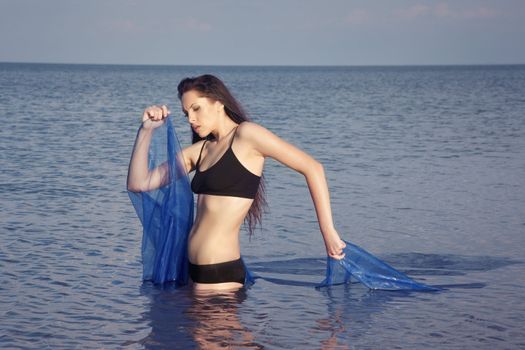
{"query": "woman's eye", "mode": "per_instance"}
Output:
(195, 109)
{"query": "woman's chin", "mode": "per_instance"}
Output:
(197, 131)
(202, 135)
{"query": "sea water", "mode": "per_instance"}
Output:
(426, 169)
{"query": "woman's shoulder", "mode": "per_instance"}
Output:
(258, 137)
(247, 129)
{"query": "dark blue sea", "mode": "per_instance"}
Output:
(426, 167)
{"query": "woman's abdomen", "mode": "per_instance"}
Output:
(215, 234)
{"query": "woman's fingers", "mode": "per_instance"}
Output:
(337, 255)
(165, 111)
(337, 252)
(154, 116)
(156, 113)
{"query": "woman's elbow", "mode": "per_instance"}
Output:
(134, 186)
(313, 168)
(319, 168)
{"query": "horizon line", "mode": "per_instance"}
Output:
(266, 65)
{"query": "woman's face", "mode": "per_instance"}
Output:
(201, 112)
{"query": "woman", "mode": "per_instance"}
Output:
(228, 157)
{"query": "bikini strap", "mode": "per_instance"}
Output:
(200, 154)
(233, 136)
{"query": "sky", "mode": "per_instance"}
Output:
(257, 32)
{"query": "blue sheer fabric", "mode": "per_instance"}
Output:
(369, 270)
(166, 215)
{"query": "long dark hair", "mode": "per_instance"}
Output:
(210, 86)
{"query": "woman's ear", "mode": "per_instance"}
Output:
(220, 106)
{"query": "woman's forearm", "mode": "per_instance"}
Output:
(316, 180)
(318, 187)
(138, 166)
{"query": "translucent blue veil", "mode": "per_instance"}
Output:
(369, 270)
(166, 215)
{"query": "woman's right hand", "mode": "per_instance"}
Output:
(154, 116)
(334, 244)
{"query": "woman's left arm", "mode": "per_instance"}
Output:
(268, 144)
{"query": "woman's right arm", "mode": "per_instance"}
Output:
(140, 179)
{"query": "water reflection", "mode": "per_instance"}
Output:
(216, 321)
(336, 328)
(186, 319)
(350, 309)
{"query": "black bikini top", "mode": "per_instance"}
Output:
(227, 177)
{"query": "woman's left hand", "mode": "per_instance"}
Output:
(334, 245)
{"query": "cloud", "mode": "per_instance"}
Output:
(357, 17)
(443, 10)
(481, 12)
(124, 26)
(412, 12)
(193, 24)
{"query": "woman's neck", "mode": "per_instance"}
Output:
(224, 129)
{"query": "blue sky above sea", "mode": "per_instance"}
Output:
(286, 32)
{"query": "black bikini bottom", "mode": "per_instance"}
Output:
(229, 271)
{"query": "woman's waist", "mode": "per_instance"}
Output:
(213, 245)
(224, 222)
